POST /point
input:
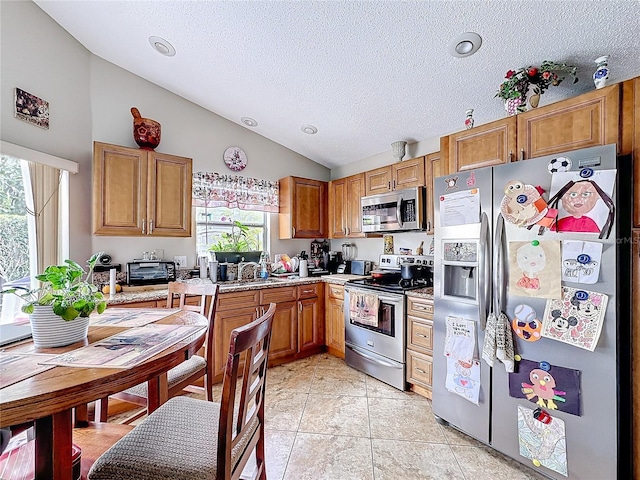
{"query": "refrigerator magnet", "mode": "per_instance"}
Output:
(581, 261)
(548, 386)
(535, 268)
(522, 204)
(584, 201)
(544, 443)
(576, 318)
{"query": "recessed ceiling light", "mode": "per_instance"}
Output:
(465, 45)
(161, 46)
(309, 129)
(249, 122)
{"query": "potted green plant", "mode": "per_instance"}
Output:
(59, 308)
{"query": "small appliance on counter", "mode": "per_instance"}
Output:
(349, 252)
(334, 260)
(361, 267)
(146, 272)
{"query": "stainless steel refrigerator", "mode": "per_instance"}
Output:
(473, 252)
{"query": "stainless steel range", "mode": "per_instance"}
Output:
(374, 315)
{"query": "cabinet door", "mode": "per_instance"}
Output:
(635, 344)
(419, 369)
(377, 181)
(435, 166)
(337, 208)
(119, 190)
(284, 332)
(335, 325)
(584, 121)
(354, 190)
(310, 326)
(169, 195)
(303, 208)
(483, 146)
(225, 322)
(408, 174)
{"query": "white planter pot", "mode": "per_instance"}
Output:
(50, 330)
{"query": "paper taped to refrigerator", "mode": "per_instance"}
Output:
(460, 208)
(576, 319)
(464, 379)
(535, 269)
(581, 261)
(544, 443)
(460, 341)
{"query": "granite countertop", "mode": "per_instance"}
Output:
(426, 292)
(225, 287)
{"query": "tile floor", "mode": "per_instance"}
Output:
(324, 420)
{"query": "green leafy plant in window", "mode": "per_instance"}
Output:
(63, 287)
(238, 240)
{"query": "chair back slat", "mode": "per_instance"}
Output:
(208, 293)
(251, 344)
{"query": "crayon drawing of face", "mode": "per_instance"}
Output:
(531, 259)
(580, 199)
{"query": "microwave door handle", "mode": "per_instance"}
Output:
(399, 211)
(484, 277)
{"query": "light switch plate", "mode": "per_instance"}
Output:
(181, 261)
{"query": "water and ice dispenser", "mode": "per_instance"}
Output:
(460, 270)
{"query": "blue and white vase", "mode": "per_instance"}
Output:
(601, 75)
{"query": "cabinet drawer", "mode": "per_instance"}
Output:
(420, 307)
(309, 291)
(336, 291)
(419, 369)
(420, 334)
(277, 295)
(235, 300)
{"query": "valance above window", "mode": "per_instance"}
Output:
(212, 189)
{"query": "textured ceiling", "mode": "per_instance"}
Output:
(365, 73)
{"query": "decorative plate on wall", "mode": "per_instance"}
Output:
(235, 158)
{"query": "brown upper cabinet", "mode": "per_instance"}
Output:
(483, 146)
(345, 213)
(303, 208)
(435, 167)
(406, 174)
(587, 120)
(139, 192)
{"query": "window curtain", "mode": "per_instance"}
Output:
(212, 189)
(45, 181)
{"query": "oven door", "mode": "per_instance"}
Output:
(383, 333)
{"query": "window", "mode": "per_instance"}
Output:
(215, 226)
(34, 197)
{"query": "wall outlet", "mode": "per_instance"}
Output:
(181, 261)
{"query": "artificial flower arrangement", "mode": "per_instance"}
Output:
(517, 83)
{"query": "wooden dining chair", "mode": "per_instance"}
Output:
(187, 438)
(185, 374)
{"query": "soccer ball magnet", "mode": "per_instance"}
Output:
(560, 164)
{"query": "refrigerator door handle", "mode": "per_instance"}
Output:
(498, 266)
(484, 277)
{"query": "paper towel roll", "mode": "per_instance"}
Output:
(303, 269)
(203, 267)
(112, 283)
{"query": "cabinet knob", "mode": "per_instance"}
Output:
(522, 154)
(510, 159)
(151, 227)
(299, 306)
(293, 231)
(144, 226)
(421, 371)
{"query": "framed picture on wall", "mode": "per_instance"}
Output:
(31, 109)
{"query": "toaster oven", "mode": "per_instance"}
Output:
(150, 273)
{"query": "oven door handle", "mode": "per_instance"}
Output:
(372, 359)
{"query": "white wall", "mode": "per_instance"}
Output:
(40, 57)
(90, 100)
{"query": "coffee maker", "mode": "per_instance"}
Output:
(334, 259)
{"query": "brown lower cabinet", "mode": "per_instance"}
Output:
(334, 318)
(420, 345)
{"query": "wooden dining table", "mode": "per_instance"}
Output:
(47, 399)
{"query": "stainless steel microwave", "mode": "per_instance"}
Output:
(150, 273)
(396, 211)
